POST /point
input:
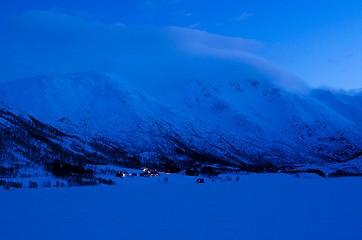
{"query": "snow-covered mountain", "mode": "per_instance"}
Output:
(232, 122)
(25, 142)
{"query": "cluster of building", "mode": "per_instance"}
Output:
(145, 173)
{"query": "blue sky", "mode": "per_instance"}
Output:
(318, 41)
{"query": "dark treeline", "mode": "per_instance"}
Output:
(10, 184)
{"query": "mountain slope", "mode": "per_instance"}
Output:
(26, 142)
(272, 112)
(230, 122)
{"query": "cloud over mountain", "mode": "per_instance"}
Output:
(47, 42)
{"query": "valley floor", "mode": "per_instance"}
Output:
(258, 206)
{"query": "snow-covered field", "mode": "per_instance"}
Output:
(258, 206)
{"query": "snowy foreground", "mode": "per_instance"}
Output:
(258, 206)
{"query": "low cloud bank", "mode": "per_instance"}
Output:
(46, 42)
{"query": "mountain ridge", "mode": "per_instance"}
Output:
(246, 122)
